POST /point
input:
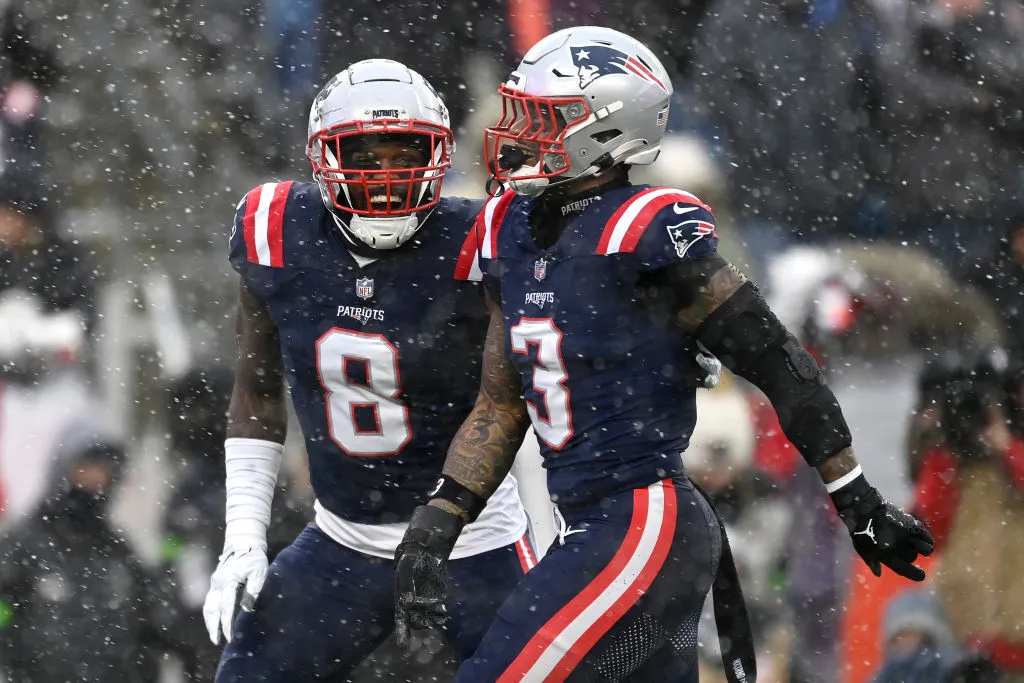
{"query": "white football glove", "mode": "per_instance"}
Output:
(242, 566)
(252, 466)
(713, 367)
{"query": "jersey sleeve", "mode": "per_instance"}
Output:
(478, 259)
(257, 233)
(661, 226)
(237, 250)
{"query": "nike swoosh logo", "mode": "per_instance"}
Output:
(685, 209)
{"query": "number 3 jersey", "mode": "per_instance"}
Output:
(610, 383)
(382, 359)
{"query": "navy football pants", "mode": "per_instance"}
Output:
(618, 600)
(324, 608)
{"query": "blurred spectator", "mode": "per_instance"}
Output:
(1001, 277)
(951, 109)
(27, 70)
(926, 440)
(33, 257)
(46, 305)
(194, 522)
(877, 300)
(782, 82)
(720, 459)
(919, 646)
(75, 604)
(970, 492)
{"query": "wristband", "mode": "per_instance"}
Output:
(855, 494)
(455, 493)
(842, 481)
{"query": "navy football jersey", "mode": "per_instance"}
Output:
(610, 389)
(383, 360)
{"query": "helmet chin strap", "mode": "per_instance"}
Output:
(377, 234)
(535, 187)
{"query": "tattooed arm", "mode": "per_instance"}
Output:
(257, 409)
(479, 458)
(702, 287)
(484, 448)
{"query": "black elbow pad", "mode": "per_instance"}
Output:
(751, 341)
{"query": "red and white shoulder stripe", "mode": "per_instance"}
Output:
(626, 226)
(482, 240)
(263, 223)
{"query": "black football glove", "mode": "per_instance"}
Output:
(881, 532)
(421, 570)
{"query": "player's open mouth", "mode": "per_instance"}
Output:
(383, 202)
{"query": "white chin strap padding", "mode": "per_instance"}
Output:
(384, 233)
(531, 187)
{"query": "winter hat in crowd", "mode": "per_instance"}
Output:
(918, 610)
(88, 439)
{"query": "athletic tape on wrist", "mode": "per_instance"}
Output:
(844, 480)
(252, 466)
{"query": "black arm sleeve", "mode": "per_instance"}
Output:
(749, 340)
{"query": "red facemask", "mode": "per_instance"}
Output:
(531, 129)
(379, 191)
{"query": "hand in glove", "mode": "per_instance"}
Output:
(881, 532)
(236, 582)
(421, 570)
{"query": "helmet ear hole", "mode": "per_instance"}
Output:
(605, 136)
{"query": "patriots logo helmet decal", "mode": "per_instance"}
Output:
(594, 61)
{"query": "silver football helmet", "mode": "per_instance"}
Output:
(371, 102)
(583, 100)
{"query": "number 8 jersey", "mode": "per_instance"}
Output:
(382, 358)
(610, 384)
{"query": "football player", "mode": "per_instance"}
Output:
(599, 292)
(347, 291)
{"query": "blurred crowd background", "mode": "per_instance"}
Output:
(865, 159)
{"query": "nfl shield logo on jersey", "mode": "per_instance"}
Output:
(540, 269)
(364, 287)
